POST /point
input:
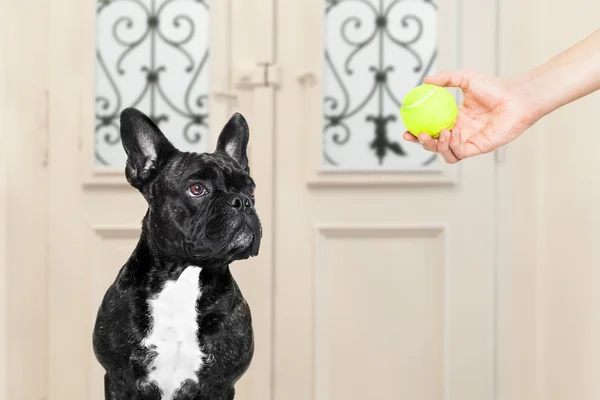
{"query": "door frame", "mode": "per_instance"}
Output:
(23, 229)
(4, 283)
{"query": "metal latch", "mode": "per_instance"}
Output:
(262, 75)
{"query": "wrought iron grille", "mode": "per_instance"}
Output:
(151, 54)
(369, 44)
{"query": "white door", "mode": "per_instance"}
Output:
(384, 255)
(172, 59)
(375, 277)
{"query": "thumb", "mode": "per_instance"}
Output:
(460, 79)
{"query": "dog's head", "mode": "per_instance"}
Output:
(201, 206)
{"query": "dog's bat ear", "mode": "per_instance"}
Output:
(146, 147)
(233, 140)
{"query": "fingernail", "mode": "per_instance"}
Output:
(442, 136)
(453, 133)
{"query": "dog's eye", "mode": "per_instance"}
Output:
(197, 190)
(251, 191)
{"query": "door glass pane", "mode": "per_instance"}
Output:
(152, 55)
(375, 52)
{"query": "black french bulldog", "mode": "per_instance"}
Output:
(174, 324)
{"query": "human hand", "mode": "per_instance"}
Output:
(492, 114)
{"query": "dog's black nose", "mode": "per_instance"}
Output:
(236, 202)
(239, 202)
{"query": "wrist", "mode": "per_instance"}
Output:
(527, 92)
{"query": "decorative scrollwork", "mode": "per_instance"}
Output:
(377, 40)
(151, 55)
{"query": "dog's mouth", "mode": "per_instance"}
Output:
(245, 241)
(255, 245)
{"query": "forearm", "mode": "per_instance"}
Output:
(571, 75)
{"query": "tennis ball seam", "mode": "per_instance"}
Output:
(423, 100)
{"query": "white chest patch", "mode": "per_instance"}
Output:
(174, 333)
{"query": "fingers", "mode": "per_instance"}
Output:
(448, 144)
(409, 137)
(443, 147)
(460, 79)
(428, 143)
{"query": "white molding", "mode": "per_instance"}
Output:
(335, 179)
(219, 63)
(105, 177)
(4, 102)
(323, 232)
(379, 230)
(117, 231)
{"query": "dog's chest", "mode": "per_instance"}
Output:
(173, 337)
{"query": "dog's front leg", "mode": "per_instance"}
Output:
(109, 393)
(227, 395)
(121, 390)
(147, 391)
(117, 390)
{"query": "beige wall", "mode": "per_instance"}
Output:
(549, 284)
(569, 259)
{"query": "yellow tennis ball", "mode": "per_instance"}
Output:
(429, 109)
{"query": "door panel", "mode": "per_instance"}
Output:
(110, 248)
(385, 278)
(353, 308)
